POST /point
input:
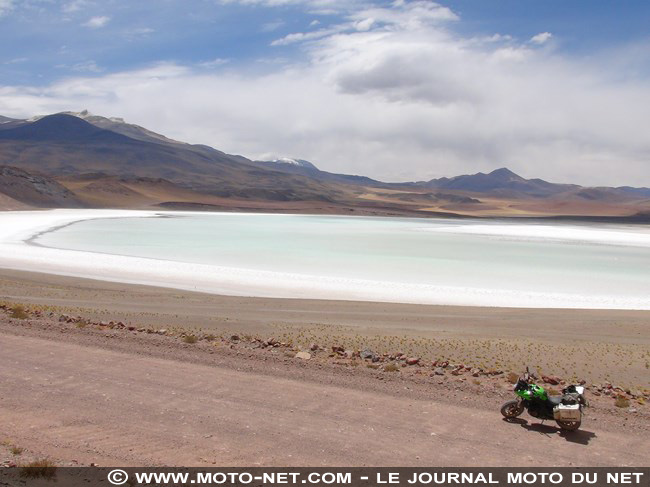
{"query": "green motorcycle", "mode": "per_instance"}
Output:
(566, 409)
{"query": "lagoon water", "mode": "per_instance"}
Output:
(435, 261)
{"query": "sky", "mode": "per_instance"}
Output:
(396, 90)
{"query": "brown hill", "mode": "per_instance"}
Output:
(505, 183)
(20, 189)
(64, 145)
(79, 159)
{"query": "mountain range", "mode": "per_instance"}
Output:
(82, 160)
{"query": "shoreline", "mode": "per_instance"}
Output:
(597, 345)
(27, 255)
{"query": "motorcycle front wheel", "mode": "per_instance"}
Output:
(512, 409)
(568, 425)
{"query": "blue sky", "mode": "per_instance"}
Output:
(395, 90)
(45, 40)
(582, 25)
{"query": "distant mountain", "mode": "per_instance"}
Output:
(7, 120)
(9, 123)
(77, 158)
(306, 168)
(119, 126)
(61, 128)
(283, 161)
(502, 179)
(641, 192)
(506, 183)
(63, 145)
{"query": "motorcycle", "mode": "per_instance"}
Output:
(566, 409)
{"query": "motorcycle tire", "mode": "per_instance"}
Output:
(512, 409)
(568, 425)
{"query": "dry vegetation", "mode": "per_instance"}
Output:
(504, 357)
(18, 312)
(190, 338)
(626, 364)
(42, 468)
(570, 361)
(30, 465)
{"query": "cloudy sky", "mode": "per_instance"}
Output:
(401, 90)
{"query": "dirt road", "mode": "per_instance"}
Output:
(595, 345)
(77, 401)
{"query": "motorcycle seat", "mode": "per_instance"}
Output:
(555, 400)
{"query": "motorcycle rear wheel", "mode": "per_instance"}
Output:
(568, 425)
(512, 409)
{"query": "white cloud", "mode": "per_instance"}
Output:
(97, 22)
(6, 6)
(412, 15)
(142, 31)
(87, 66)
(281, 3)
(320, 7)
(406, 99)
(17, 60)
(541, 38)
(74, 6)
(365, 24)
(277, 61)
(138, 33)
(306, 36)
(271, 26)
(214, 63)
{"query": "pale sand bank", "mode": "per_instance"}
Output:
(595, 344)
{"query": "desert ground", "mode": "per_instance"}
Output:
(115, 374)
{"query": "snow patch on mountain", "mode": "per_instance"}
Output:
(293, 162)
(86, 115)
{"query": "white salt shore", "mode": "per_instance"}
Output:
(16, 253)
(549, 233)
